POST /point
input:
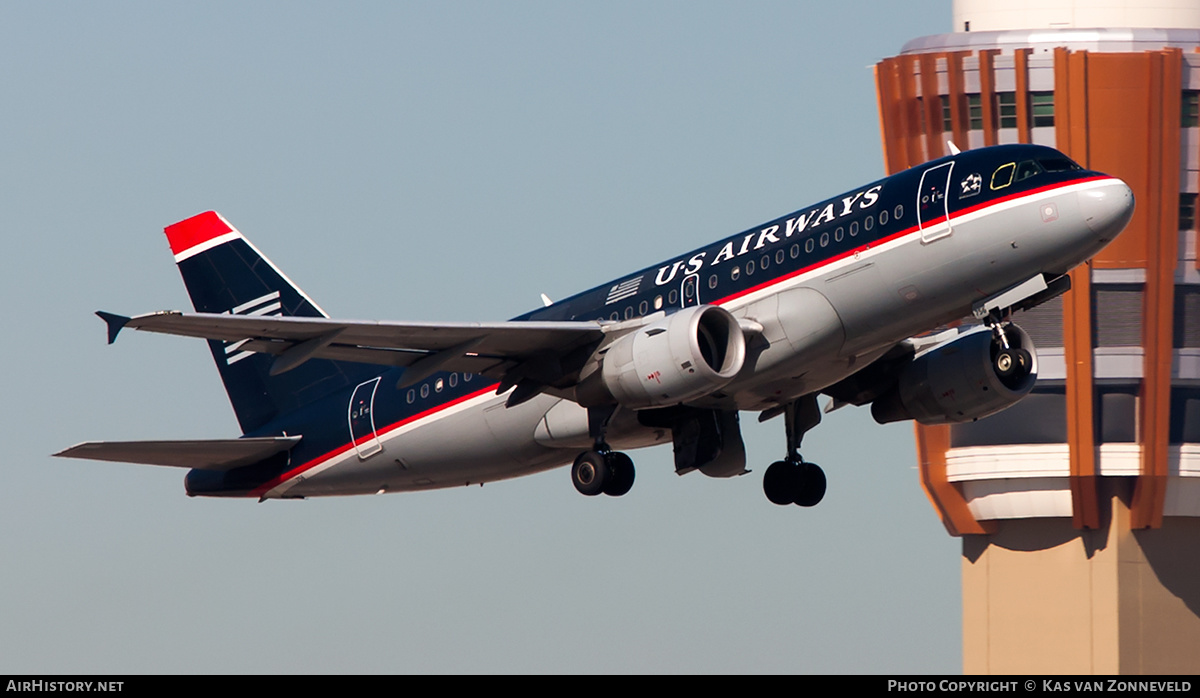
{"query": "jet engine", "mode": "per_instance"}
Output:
(684, 356)
(961, 380)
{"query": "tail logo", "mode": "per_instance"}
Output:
(263, 305)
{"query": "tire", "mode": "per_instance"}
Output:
(1013, 366)
(622, 473)
(1024, 362)
(779, 482)
(812, 485)
(590, 473)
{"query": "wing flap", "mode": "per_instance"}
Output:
(200, 454)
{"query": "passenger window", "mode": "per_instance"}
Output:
(808, 245)
(796, 251)
(615, 316)
(438, 385)
(839, 234)
(712, 281)
(824, 239)
(425, 390)
(898, 211)
(643, 307)
(629, 313)
(869, 222)
(453, 380)
(765, 261)
(673, 297)
(1003, 175)
(735, 273)
(883, 218)
(779, 257)
(853, 228)
(749, 268)
(658, 302)
(412, 395)
(467, 378)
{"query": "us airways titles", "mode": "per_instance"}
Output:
(810, 220)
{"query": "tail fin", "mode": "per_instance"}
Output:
(225, 273)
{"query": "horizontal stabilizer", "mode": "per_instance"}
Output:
(203, 454)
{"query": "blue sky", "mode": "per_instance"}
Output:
(431, 161)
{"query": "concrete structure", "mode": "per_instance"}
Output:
(1080, 507)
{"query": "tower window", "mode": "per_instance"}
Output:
(1007, 108)
(1042, 104)
(1187, 211)
(975, 111)
(1190, 109)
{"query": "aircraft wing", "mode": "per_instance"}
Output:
(207, 454)
(549, 354)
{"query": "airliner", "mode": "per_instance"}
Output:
(898, 294)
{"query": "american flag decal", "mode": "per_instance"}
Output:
(623, 290)
(263, 305)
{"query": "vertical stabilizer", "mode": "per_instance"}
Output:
(225, 273)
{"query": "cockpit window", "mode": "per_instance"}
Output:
(1003, 176)
(1058, 165)
(1027, 169)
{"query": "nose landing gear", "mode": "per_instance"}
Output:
(1012, 363)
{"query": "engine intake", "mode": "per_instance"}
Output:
(961, 380)
(681, 357)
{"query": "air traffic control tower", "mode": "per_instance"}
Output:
(1079, 508)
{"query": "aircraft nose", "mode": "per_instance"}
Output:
(1107, 208)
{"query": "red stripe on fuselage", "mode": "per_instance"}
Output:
(280, 479)
(897, 235)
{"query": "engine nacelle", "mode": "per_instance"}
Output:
(682, 357)
(961, 380)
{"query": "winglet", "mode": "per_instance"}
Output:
(115, 323)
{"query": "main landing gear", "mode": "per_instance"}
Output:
(602, 470)
(792, 480)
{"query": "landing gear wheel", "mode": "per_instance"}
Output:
(812, 485)
(1007, 362)
(591, 473)
(621, 471)
(794, 482)
(779, 483)
(1013, 365)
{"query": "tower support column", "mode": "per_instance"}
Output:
(1043, 597)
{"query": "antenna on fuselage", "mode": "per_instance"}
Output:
(953, 148)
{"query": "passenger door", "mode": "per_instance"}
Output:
(933, 202)
(362, 420)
